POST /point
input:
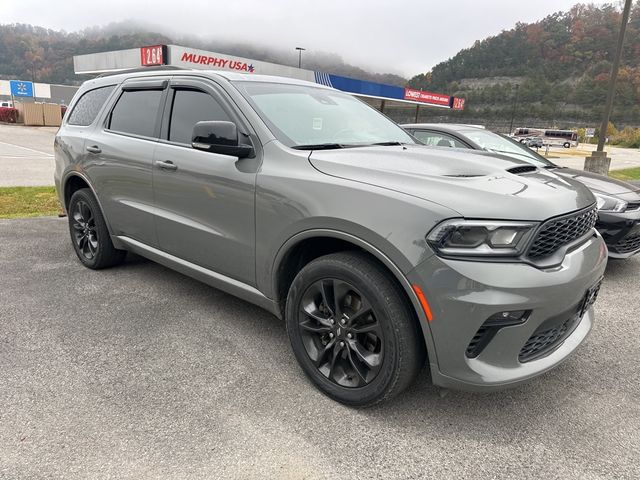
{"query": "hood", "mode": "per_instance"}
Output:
(599, 183)
(474, 186)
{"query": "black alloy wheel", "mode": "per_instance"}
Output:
(340, 333)
(352, 329)
(89, 233)
(84, 230)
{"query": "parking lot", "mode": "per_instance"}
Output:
(26, 155)
(138, 371)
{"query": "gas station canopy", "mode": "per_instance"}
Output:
(175, 55)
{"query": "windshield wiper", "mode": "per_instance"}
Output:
(334, 146)
(385, 144)
(320, 146)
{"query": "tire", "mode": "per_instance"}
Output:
(89, 234)
(332, 354)
(566, 145)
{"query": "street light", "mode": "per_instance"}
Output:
(300, 49)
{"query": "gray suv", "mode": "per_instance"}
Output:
(380, 254)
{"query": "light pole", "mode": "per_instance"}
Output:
(598, 162)
(513, 110)
(300, 49)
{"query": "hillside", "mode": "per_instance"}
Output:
(560, 63)
(34, 53)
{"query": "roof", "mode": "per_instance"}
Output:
(144, 72)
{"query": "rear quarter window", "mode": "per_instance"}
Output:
(88, 106)
(136, 112)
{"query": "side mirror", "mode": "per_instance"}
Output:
(219, 137)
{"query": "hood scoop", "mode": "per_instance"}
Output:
(520, 169)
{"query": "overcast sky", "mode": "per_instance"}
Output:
(401, 36)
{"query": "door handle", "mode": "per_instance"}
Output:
(94, 149)
(166, 165)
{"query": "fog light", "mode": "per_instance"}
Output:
(503, 319)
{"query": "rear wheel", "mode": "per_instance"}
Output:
(89, 233)
(351, 329)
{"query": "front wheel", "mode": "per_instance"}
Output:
(89, 232)
(352, 330)
(566, 145)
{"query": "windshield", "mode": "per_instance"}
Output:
(500, 144)
(303, 116)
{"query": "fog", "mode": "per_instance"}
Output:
(404, 37)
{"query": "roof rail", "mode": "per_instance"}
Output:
(142, 69)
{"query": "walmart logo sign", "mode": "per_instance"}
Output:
(21, 89)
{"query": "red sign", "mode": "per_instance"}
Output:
(426, 97)
(217, 62)
(458, 103)
(151, 56)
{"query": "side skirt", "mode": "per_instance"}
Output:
(216, 280)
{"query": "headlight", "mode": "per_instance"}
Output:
(610, 204)
(459, 237)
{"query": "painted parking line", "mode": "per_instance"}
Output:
(45, 155)
(27, 148)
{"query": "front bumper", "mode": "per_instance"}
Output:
(464, 294)
(621, 232)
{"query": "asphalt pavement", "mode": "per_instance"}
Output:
(140, 372)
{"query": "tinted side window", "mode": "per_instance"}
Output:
(438, 139)
(189, 108)
(87, 108)
(136, 112)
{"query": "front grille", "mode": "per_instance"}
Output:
(627, 244)
(561, 231)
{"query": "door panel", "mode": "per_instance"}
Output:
(120, 156)
(204, 201)
(122, 177)
(205, 210)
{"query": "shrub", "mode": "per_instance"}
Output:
(629, 137)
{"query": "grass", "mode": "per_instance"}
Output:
(626, 174)
(16, 202)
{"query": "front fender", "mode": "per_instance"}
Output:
(395, 270)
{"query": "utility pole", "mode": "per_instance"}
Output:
(513, 111)
(300, 49)
(598, 162)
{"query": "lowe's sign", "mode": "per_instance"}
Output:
(21, 89)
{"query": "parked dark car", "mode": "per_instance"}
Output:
(618, 202)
